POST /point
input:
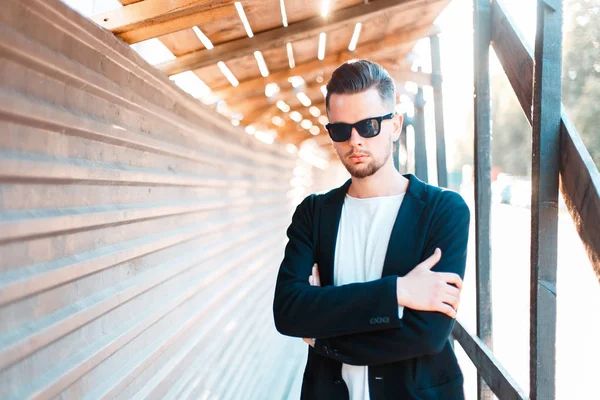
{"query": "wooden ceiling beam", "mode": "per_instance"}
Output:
(153, 18)
(326, 66)
(280, 36)
(420, 78)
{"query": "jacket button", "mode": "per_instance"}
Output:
(379, 320)
(386, 319)
(373, 321)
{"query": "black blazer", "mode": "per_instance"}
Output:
(358, 324)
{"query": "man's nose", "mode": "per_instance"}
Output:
(355, 138)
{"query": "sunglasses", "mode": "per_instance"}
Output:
(367, 128)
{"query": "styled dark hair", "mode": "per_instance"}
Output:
(357, 76)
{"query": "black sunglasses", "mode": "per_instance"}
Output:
(367, 128)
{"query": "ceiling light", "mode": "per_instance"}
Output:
(324, 7)
(271, 89)
(322, 39)
(282, 105)
(242, 14)
(278, 121)
(250, 130)
(264, 137)
(283, 14)
(228, 74)
(296, 81)
(290, 54)
(314, 130)
(296, 116)
(303, 99)
(262, 66)
(323, 120)
(205, 40)
(355, 36)
(314, 111)
(306, 124)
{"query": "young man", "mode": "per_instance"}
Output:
(390, 251)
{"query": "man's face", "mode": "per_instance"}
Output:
(363, 157)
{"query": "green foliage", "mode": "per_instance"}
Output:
(581, 70)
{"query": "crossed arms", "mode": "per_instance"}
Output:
(341, 318)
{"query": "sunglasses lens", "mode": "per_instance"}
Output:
(369, 128)
(339, 132)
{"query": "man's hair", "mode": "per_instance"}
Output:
(357, 76)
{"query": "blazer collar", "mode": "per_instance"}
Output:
(403, 232)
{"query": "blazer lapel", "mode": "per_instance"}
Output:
(401, 257)
(331, 212)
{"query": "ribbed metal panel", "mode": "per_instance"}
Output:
(140, 233)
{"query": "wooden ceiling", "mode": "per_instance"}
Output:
(389, 30)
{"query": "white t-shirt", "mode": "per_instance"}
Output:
(362, 241)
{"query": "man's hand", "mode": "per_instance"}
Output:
(314, 280)
(425, 290)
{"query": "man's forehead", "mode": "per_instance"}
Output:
(356, 106)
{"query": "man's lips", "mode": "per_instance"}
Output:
(358, 157)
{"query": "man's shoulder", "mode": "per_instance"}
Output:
(444, 201)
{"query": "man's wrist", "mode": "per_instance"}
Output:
(400, 292)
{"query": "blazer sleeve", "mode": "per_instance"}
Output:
(302, 310)
(420, 332)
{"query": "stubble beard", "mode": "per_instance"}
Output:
(361, 171)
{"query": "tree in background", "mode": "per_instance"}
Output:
(511, 133)
(581, 70)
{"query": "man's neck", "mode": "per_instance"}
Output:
(387, 181)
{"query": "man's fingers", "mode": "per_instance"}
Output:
(449, 277)
(448, 310)
(311, 280)
(451, 290)
(432, 260)
(451, 300)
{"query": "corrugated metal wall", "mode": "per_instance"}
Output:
(140, 233)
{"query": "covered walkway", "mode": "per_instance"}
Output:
(141, 227)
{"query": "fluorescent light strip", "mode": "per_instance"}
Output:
(271, 89)
(314, 111)
(296, 116)
(282, 105)
(306, 124)
(242, 14)
(262, 66)
(283, 14)
(324, 7)
(355, 36)
(290, 54)
(205, 41)
(303, 99)
(322, 38)
(228, 74)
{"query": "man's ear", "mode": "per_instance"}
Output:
(397, 121)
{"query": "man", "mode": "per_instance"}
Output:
(390, 251)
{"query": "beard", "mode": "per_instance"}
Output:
(364, 170)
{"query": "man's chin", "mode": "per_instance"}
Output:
(361, 172)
